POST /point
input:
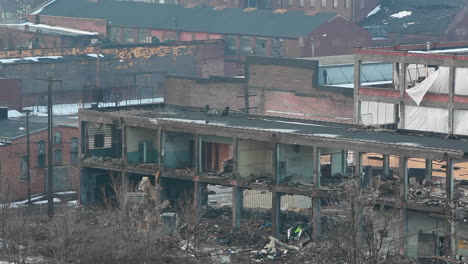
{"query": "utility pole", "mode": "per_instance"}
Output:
(50, 169)
(50, 138)
(28, 153)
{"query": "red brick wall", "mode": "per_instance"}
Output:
(10, 91)
(337, 37)
(325, 106)
(12, 39)
(89, 24)
(289, 89)
(281, 77)
(216, 92)
(11, 155)
(278, 87)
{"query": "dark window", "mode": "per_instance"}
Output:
(246, 46)
(115, 34)
(230, 45)
(277, 48)
(143, 35)
(58, 137)
(129, 35)
(24, 168)
(41, 154)
(58, 155)
(260, 47)
(98, 141)
(74, 150)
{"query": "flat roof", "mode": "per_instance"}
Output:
(47, 29)
(337, 132)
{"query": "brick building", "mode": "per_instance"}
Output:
(118, 73)
(13, 156)
(417, 21)
(27, 35)
(245, 32)
(276, 86)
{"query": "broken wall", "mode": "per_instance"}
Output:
(295, 163)
(179, 150)
(255, 158)
(136, 137)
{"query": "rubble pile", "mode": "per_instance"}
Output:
(426, 192)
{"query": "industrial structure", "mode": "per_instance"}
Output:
(184, 149)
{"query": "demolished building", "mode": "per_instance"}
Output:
(187, 148)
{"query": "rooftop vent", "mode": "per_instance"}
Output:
(280, 11)
(249, 9)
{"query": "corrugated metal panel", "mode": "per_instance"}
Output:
(262, 199)
(100, 130)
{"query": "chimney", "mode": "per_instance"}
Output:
(3, 113)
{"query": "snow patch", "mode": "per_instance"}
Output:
(402, 14)
(56, 200)
(14, 113)
(33, 26)
(410, 144)
(279, 130)
(72, 203)
(374, 11)
(71, 109)
(325, 135)
(35, 59)
(39, 10)
(95, 55)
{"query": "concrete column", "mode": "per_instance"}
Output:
(428, 172)
(198, 155)
(123, 173)
(450, 223)
(403, 197)
(237, 205)
(235, 156)
(316, 215)
(276, 214)
(357, 85)
(275, 196)
(197, 198)
(386, 165)
(358, 164)
(161, 144)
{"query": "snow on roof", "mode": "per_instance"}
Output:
(460, 50)
(71, 109)
(402, 14)
(40, 9)
(35, 59)
(50, 29)
(374, 11)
